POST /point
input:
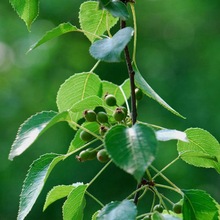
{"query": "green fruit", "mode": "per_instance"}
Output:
(103, 130)
(110, 100)
(125, 110)
(119, 114)
(89, 115)
(177, 208)
(138, 94)
(102, 156)
(85, 136)
(158, 208)
(92, 153)
(83, 156)
(102, 117)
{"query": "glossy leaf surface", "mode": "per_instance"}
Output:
(110, 49)
(132, 149)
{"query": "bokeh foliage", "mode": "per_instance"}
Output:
(178, 53)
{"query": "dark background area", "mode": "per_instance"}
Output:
(178, 53)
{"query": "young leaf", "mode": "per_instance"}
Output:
(35, 180)
(167, 134)
(75, 203)
(77, 142)
(124, 210)
(75, 89)
(132, 149)
(90, 102)
(117, 9)
(58, 192)
(109, 49)
(32, 128)
(202, 149)
(146, 89)
(199, 205)
(94, 22)
(27, 10)
(55, 32)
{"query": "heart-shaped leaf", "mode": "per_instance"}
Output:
(202, 149)
(125, 210)
(199, 205)
(132, 149)
(109, 49)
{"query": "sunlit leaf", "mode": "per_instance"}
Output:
(145, 87)
(202, 149)
(58, 192)
(125, 210)
(32, 128)
(75, 89)
(132, 149)
(27, 10)
(94, 22)
(199, 205)
(75, 203)
(55, 32)
(35, 180)
(89, 103)
(109, 49)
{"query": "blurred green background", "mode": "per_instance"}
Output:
(178, 52)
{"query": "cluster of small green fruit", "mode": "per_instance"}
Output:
(105, 121)
(177, 208)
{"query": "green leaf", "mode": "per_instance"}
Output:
(89, 103)
(58, 192)
(77, 142)
(198, 205)
(77, 88)
(124, 210)
(116, 8)
(55, 32)
(35, 180)
(202, 150)
(145, 87)
(32, 128)
(132, 149)
(75, 203)
(94, 22)
(109, 49)
(27, 10)
(167, 134)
